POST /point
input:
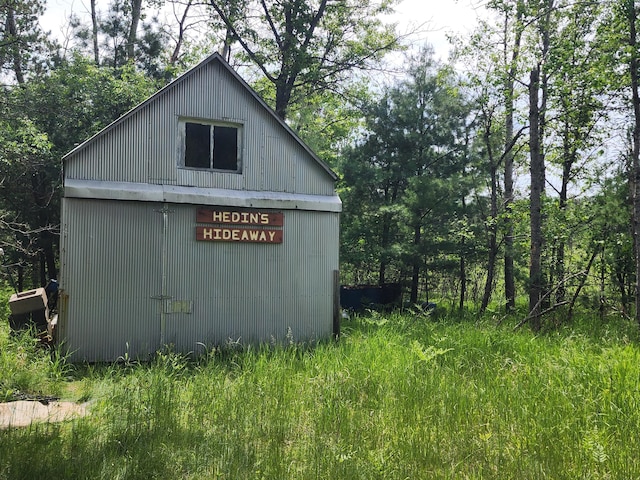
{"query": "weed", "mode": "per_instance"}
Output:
(399, 396)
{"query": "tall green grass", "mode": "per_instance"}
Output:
(27, 367)
(399, 396)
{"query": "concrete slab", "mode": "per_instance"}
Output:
(23, 413)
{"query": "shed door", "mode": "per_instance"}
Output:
(187, 320)
(211, 294)
(111, 269)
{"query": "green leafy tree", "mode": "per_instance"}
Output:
(28, 214)
(495, 54)
(78, 99)
(617, 37)
(374, 180)
(327, 120)
(611, 234)
(304, 47)
(576, 112)
(405, 177)
(551, 48)
(124, 34)
(24, 47)
(564, 104)
(43, 119)
(628, 11)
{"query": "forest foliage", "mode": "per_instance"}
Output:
(510, 171)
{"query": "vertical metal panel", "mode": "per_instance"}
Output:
(254, 167)
(309, 176)
(252, 292)
(247, 292)
(111, 269)
(143, 148)
(163, 136)
(280, 173)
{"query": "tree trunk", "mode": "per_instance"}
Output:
(132, 38)
(426, 282)
(509, 269)
(384, 243)
(492, 223)
(390, 195)
(463, 281)
(603, 298)
(20, 285)
(543, 82)
(12, 31)
(284, 89)
(535, 208)
(567, 163)
(43, 270)
(635, 148)
(94, 33)
(621, 282)
(415, 277)
(463, 266)
(49, 255)
(182, 28)
(508, 93)
(226, 46)
(583, 280)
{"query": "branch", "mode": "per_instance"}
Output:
(512, 143)
(254, 57)
(540, 314)
(532, 315)
(271, 24)
(582, 282)
(314, 23)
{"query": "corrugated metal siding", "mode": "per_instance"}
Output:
(121, 156)
(278, 158)
(111, 268)
(162, 146)
(309, 176)
(252, 292)
(143, 148)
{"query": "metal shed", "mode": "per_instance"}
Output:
(196, 218)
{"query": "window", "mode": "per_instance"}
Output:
(211, 147)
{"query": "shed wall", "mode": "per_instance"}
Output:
(143, 148)
(106, 309)
(116, 254)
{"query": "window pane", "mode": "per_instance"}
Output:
(197, 152)
(225, 148)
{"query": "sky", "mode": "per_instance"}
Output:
(433, 19)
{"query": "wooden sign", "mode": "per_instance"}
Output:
(240, 217)
(227, 234)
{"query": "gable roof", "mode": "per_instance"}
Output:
(217, 58)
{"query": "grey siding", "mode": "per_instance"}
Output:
(143, 146)
(110, 269)
(133, 276)
(115, 255)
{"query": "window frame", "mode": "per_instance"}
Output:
(212, 124)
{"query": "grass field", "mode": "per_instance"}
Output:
(398, 397)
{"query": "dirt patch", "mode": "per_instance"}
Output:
(23, 413)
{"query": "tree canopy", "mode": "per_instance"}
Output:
(303, 47)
